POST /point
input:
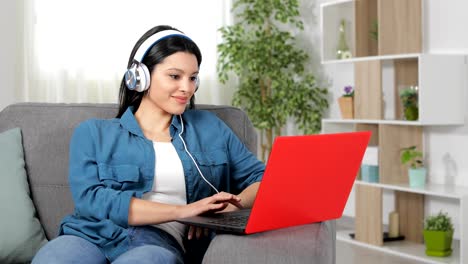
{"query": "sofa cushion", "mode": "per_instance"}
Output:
(20, 230)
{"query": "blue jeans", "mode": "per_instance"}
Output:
(145, 245)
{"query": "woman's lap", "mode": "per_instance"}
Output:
(144, 244)
(69, 249)
(153, 240)
(147, 254)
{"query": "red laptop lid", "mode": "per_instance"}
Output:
(307, 179)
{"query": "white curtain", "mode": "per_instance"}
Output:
(77, 50)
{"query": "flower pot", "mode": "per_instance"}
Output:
(417, 177)
(411, 112)
(346, 107)
(409, 101)
(438, 243)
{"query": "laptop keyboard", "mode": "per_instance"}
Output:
(231, 220)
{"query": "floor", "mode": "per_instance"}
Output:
(347, 253)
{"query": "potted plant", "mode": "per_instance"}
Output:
(416, 171)
(409, 101)
(275, 80)
(438, 235)
(346, 102)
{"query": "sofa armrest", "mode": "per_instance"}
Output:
(312, 243)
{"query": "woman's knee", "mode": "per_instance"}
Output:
(69, 249)
(149, 254)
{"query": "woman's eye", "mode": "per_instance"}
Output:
(194, 78)
(174, 76)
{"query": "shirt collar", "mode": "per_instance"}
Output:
(129, 122)
(175, 125)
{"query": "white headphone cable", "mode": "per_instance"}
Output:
(190, 155)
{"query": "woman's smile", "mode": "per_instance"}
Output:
(181, 99)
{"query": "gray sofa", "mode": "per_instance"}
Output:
(46, 131)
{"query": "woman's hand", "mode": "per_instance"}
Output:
(212, 204)
(216, 203)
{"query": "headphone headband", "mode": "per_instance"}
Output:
(149, 42)
(137, 77)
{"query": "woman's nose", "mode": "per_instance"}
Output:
(188, 86)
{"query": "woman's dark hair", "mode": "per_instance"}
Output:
(155, 55)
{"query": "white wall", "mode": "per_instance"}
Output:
(444, 23)
(446, 148)
(8, 52)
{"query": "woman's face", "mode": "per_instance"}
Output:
(173, 82)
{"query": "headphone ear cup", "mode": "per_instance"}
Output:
(131, 77)
(137, 77)
(145, 78)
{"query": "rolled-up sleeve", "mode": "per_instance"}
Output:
(93, 200)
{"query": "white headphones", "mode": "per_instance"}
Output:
(137, 76)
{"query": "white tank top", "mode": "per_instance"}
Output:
(168, 185)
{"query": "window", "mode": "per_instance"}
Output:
(79, 48)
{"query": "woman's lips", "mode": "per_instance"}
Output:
(181, 99)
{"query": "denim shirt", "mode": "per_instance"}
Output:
(111, 161)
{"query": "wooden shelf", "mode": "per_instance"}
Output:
(404, 248)
(400, 26)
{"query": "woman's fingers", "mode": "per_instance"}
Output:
(214, 203)
(190, 232)
(198, 232)
(226, 197)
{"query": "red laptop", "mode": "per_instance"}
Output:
(307, 179)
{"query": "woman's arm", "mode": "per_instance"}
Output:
(143, 212)
(247, 197)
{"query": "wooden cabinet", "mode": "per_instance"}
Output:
(382, 66)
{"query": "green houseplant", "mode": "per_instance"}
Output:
(409, 101)
(438, 235)
(416, 171)
(273, 83)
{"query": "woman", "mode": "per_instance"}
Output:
(133, 175)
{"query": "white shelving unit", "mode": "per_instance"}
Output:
(396, 58)
(433, 90)
(408, 249)
(413, 250)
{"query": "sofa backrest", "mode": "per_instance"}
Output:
(47, 128)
